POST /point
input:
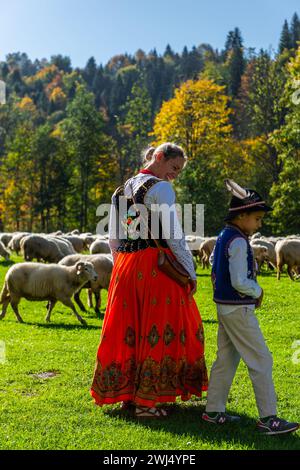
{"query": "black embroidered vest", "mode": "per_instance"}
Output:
(128, 244)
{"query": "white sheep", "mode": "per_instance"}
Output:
(260, 253)
(41, 248)
(103, 266)
(14, 243)
(99, 246)
(271, 257)
(4, 252)
(64, 245)
(194, 243)
(78, 243)
(5, 238)
(288, 252)
(38, 281)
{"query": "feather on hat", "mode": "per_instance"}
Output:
(236, 190)
(243, 200)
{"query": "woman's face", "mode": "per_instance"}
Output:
(168, 169)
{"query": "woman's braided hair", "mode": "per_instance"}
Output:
(169, 150)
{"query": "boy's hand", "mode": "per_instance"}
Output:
(259, 300)
(193, 284)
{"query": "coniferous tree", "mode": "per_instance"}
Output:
(235, 60)
(295, 30)
(169, 52)
(285, 41)
(89, 72)
(62, 63)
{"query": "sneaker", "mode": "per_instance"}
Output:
(276, 425)
(220, 418)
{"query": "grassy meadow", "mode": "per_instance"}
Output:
(37, 412)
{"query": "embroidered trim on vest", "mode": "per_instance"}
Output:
(139, 244)
(230, 296)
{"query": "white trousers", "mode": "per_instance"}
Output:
(239, 336)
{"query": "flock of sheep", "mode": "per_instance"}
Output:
(276, 252)
(69, 270)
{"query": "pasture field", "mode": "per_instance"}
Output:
(37, 412)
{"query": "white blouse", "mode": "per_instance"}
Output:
(160, 193)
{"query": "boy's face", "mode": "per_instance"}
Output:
(250, 222)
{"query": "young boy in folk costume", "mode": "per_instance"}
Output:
(237, 294)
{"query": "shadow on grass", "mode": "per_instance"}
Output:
(62, 326)
(186, 422)
(209, 321)
(7, 263)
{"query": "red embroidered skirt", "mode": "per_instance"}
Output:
(152, 343)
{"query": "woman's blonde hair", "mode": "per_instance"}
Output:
(169, 150)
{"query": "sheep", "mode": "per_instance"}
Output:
(274, 240)
(5, 238)
(58, 233)
(260, 255)
(194, 243)
(41, 248)
(256, 235)
(103, 266)
(99, 246)
(88, 239)
(271, 249)
(77, 242)
(64, 245)
(52, 282)
(4, 252)
(14, 244)
(205, 250)
(288, 252)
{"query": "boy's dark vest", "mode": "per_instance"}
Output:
(224, 293)
(127, 244)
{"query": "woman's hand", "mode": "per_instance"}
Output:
(193, 284)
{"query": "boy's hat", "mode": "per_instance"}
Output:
(244, 200)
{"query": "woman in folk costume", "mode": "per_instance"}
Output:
(152, 343)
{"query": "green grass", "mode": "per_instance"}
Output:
(58, 413)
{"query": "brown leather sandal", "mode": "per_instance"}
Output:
(156, 413)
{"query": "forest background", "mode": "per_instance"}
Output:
(69, 136)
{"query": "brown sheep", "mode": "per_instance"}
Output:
(205, 250)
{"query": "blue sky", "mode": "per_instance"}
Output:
(103, 28)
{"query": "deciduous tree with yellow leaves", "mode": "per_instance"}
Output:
(198, 119)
